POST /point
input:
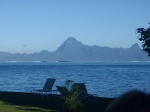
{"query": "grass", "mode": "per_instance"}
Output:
(5, 107)
(30, 102)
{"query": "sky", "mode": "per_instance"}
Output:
(28, 26)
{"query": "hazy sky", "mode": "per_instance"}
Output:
(28, 26)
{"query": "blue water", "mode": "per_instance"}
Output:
(107, 79)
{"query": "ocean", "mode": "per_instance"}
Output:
(107, 79)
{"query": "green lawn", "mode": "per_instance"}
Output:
(5, 107)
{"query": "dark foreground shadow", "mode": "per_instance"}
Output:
(50, 102)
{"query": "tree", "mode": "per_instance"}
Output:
(145, 38)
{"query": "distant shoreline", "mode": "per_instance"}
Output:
(71, 61)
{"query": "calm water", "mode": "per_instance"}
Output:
(107, 79)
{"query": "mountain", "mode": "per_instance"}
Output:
(73, 50)
(70, 50)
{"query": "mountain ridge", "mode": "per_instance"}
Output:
(74, 50)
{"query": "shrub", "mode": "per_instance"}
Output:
(71, 101)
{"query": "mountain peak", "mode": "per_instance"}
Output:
(135, 46)
(69, 44)
(71, 40)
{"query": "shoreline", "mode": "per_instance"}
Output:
(50, 101)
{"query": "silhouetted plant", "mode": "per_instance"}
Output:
(145, 38)
(70, 99)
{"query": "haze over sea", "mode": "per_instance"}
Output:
(107, 79)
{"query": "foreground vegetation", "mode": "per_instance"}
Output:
(6, 107)
(30, 102)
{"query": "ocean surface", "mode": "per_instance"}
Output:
(107, 79)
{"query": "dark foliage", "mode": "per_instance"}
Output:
(145, 38)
